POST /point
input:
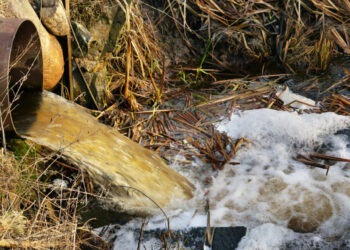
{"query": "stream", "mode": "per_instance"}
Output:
(263, 198)
(271, 199)
(270, 193)
(282, 203)
(135, 178)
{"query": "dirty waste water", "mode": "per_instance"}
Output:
(112, 160)
(283, 203)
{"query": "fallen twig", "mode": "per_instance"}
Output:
(327, 157)
(190, 125)
(310, 162)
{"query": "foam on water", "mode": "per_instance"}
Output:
(269, 192)
(270, 186)
(266, 236)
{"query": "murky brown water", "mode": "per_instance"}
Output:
(109, 157)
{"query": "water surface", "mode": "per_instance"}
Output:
(112, 160)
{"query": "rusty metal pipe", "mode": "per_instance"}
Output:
(21, 65)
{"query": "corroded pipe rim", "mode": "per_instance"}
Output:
(21, 65)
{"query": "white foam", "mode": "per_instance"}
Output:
(267, 236)
(128, 240)
(270, 186)
(269, 190)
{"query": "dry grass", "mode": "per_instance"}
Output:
(34, 213)
(136, 61)
(3, 8)
(303, 35)
(4, 11)
(133, 70)
(337, 103)
(40, 215)
(296, 33)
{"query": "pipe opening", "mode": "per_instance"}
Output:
(26, 66)
(21, 67)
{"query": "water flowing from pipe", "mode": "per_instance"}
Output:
(112, 160)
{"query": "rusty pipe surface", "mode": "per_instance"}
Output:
(21, 65)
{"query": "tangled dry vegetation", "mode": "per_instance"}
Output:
(303, 35)
(284, 36)
(36, 214)
(159, 104)
(134, 64)
(3, 7)
(171, 109)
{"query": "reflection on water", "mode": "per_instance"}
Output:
(109, 157)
